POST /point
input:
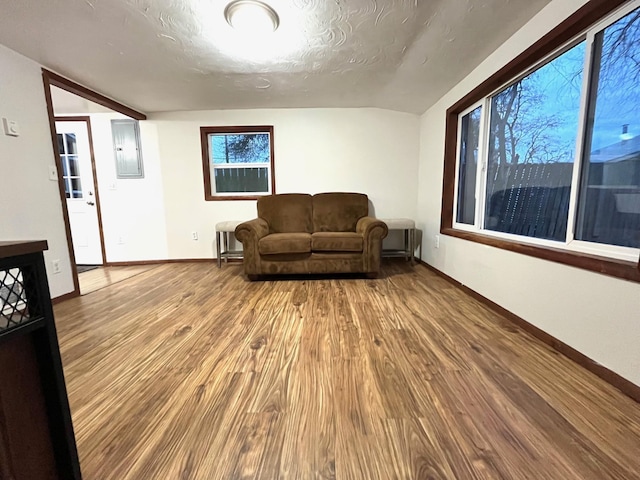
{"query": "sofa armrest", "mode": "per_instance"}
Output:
(373, 231)
(372, 226)
(249, 233)
(257, 228)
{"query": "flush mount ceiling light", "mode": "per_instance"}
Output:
(251, 16)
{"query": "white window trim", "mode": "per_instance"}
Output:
(226, 166)
(241, 165)
(480, 167)
(580, 140)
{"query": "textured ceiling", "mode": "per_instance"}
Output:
(162, 55)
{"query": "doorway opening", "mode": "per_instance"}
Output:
(70, 107)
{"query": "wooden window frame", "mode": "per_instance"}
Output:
(585, 17)
(206, 169)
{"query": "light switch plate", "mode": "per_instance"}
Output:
(10, 127)
(53, 173)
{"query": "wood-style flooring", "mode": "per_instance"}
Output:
(187, 371)
(102, 277)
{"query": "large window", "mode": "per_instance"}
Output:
(530, 155)
(237, 162)
(551, 158)
(609, 207)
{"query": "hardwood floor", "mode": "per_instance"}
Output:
(188, 371)
(102, 277)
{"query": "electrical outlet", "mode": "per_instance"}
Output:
(194, 235)
(436, 241)
(55, 266)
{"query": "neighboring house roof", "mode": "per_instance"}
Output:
(618, 152)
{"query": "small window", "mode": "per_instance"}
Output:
(67, 146)
(237, 162)
(126, 146)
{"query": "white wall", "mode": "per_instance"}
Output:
(30, 206)
(133, 216)
(595, 314)
(316, 150)
(364, 150)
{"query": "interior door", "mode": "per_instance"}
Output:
(75, 157)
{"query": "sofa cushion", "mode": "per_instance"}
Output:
(338, 212)
(288, 212)
(336, 242)
(276, 243)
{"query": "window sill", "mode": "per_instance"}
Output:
(215, 198)
(608, 266)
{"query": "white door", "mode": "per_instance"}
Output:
(77, 173)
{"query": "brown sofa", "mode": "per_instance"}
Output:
(324, 233)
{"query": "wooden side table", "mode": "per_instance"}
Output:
(224, 231)
(408, 227)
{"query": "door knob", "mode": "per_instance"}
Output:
(90, 203)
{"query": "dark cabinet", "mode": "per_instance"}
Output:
(36, 432)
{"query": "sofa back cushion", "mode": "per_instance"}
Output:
(287, 212)
(338, 212)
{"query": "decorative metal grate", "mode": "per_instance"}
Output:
(16, 308)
